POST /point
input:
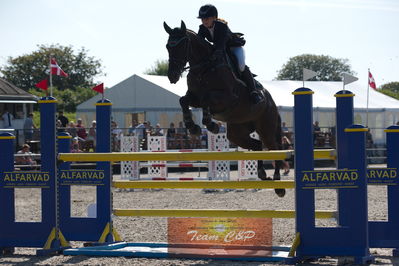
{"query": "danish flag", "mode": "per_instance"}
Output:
(372, 81)
(55, 68)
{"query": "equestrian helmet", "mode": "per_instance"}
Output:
(207, 11)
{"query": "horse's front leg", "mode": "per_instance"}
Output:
(207, 121)
(187, 116)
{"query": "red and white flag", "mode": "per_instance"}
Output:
(42, 84)
(372, 81)
(56, 70)
(99, 88)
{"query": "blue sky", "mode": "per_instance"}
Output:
(128, 36)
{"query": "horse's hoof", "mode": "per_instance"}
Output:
(195, 130)
(213, 128)
(280, 192)
(262, 175)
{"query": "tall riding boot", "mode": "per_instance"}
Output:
(249, 81)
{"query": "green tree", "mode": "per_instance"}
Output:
(160, 68)
(67, 100)
(391, 86)
(26, 70)
(390, 89)
(327, 67)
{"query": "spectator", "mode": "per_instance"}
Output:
(81, 130)
(91, 137)
(158, 131)
(140, 130)
(316, 132)
(75, 148)
(369, 140)
(181, 135)
(171, 136)
(284, 127)
(27, 158)
(64, 120)
(28, 127)
(72, 129)
(222, 128)
(59, 126)
(148, 127)
(116, 136)
(7, 119)
(132, 128)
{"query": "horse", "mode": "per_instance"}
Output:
(211, 86)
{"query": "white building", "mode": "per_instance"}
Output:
(153, 98)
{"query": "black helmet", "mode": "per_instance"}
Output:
(207, 11)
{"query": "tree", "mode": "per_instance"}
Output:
(160, 68)
(390, 89)
(67, 100)
(328, 68)
(26, 70)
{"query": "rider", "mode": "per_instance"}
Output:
(216, 30)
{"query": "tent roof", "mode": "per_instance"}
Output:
(281, 90)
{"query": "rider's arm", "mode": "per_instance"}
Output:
(221, 36)
(204, 33)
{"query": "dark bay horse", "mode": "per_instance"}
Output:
(211, 86)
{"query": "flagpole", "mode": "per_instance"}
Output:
(368, 89)
(51, 79)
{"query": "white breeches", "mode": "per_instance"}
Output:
(239, 53)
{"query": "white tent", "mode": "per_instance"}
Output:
(141, 97)
(159, 100)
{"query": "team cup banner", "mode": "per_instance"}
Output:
(220, 237)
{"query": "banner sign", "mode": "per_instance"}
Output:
(382, 176)
(220, 237)
(82, 177)
(27, 179)
(344, 178)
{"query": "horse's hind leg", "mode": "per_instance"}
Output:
(270, 134)
(239, 134)
(187, 116)
(207, 121)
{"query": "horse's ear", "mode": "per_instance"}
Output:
(183, 26)
(167, 28)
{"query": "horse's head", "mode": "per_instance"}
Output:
(178, 45)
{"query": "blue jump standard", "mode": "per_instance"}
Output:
(165, 250)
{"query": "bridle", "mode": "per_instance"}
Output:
(180, 62)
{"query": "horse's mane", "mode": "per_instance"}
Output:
(192, 34)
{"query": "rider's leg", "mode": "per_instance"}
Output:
(249, 80)
(246, 74)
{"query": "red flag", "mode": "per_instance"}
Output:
(42, 84)
(372, 81)
(55, 69)
(99, 88)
